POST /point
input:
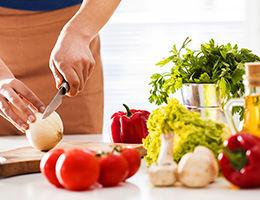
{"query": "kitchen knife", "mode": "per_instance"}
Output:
(56, 101)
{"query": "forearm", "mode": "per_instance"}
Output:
(93, 15)
(71, 58)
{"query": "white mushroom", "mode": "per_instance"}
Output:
(198, 169)
(204, 151)
(164, 172)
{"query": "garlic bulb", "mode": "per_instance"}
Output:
(44, 134)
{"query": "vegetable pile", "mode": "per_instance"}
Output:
(195, 169)
(78, 169)
(189, 129)
(212, 63)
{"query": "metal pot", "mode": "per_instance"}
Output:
(205, 99)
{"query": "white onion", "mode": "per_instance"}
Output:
(44, 134)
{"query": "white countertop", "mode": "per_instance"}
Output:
(35, 187)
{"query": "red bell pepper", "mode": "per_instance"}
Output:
(129, 126)
(240, 161)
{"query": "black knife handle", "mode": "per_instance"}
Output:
(64, 87)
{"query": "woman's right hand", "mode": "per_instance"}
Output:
(15, 95)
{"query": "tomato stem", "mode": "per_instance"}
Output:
(117, 149)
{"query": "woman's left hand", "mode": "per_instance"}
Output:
(71, 58)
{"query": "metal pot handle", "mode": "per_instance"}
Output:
(228, 113)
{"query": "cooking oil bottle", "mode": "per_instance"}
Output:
(251, 101)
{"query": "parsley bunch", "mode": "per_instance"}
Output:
(213, 63)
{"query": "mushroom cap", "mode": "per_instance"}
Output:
(197, 169)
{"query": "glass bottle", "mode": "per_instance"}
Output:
(251, 102)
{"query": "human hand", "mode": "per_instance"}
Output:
(15, 102)
(71, 59)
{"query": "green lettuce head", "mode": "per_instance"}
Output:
(189, 129)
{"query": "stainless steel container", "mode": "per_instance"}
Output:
(205, 99)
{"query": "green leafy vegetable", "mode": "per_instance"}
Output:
(212, 63)
(189, 129)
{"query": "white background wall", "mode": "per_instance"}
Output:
(142, 32)
(252, 36)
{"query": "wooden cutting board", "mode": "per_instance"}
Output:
(26, 160)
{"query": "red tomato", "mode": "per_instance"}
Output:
(113, 170)
(47, 166)
(77, 169)
(133, 158)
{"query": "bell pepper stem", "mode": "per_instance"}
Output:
(237, 158)
(128, 112)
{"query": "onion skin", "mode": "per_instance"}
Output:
(44, 134)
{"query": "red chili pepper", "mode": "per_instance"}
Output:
(129, 126)
(240, 161)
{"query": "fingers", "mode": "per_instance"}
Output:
(67, 73)
(16, 126)
(8, 113)
(16, 101)
(75, 75)
(72, 78)
(88, 66)
(70, 75)
(75, 69)
(80, 73)
(30, 96)
(57, 76)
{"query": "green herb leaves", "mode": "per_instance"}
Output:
(212, 63)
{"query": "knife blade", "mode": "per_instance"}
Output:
(57, 100)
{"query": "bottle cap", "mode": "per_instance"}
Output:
(253, 73)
